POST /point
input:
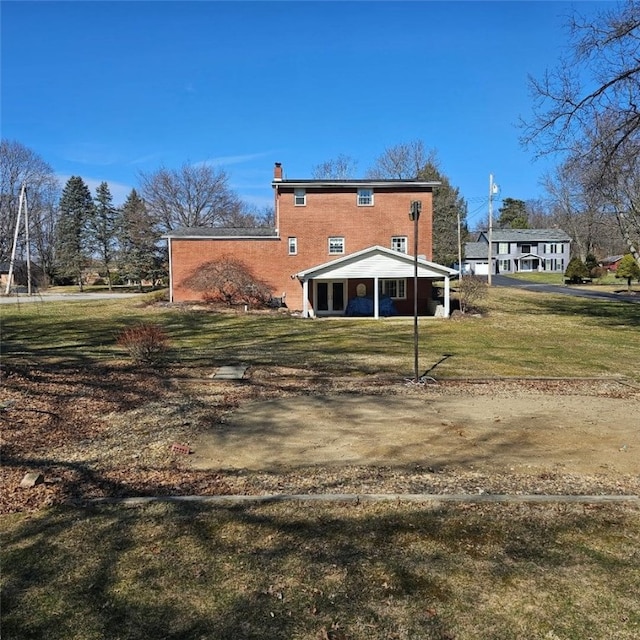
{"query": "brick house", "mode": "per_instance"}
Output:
(336, 246)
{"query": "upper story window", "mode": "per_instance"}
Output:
(399, 243)
(365, 197)
(503, 247)
(554, 247)
(293, 246)
(336, 245)
(525, 248)
(299, 197)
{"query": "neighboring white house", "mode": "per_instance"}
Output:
(518, 250)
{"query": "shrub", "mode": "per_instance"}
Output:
(230, 281)
(472, 289)
(628, 269)
(146, 343)
(576, 270)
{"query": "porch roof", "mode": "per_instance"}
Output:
(376, 261)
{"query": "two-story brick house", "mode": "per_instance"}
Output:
(334, 241)
(518, 250)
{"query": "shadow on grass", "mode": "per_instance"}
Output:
(284, 571)
(602, 312)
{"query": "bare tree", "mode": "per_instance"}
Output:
(402, 162)
(20, 165)
(342, 167)
(411, 161)
(192, 196)
(597, 121)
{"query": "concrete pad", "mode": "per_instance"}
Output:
(230, 372)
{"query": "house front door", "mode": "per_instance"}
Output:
(330, 297)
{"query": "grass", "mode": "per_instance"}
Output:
(312, 571)
(523, 334)
(329, 572)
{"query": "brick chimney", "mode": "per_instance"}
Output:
(277, 171)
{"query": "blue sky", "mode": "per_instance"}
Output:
(106, 90)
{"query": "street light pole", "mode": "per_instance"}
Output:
(414, 215)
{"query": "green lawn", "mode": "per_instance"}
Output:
(329, 572)
(354, 572)
(521, 334)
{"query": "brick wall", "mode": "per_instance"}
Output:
(326, 213)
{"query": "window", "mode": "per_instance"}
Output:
(299, 197)
(504, 265)
(336, 245)
(293, 246)
(503, 247)
(553, 247)
(525, 248)
(399, 243)
(393, 288)
(365, 197)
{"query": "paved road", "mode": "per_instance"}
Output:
(59, 297)
(505, 281)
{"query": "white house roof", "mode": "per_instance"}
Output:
(375, 261)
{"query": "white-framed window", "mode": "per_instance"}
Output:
(293, 246)
(503, 248)
(365, 197)
(553, 247)
(299, 197)
(504, 265)
(336, 245)
(393, 288)
(399, 243)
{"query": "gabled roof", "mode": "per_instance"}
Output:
(222, 232)
(376, 261)
(476, 250)
(525, 235)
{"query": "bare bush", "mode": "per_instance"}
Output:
(146, 343)
(230, 281)
(472, 290)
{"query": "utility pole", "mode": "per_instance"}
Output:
(22, 202)
(493, 189)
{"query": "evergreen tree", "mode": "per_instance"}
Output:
(102, 228)
(138, 258)
(576, 271)
(448, 207)
(72, 238)
(513, 214)
(628, 268)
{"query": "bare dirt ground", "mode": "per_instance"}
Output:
(523, 432)
(108, 431)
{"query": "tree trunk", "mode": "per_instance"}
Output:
(624, 228)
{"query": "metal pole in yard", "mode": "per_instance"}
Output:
(414, 215)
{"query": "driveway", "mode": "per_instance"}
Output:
(63, 297)
(506, 281)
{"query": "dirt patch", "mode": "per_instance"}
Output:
(107, 431)
(526, 433)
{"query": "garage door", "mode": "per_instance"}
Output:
(481, 268)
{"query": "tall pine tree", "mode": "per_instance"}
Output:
(137, 235)
(72, 238)
(449, 209)
(102, 228)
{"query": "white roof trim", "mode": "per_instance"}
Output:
(375, 261)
